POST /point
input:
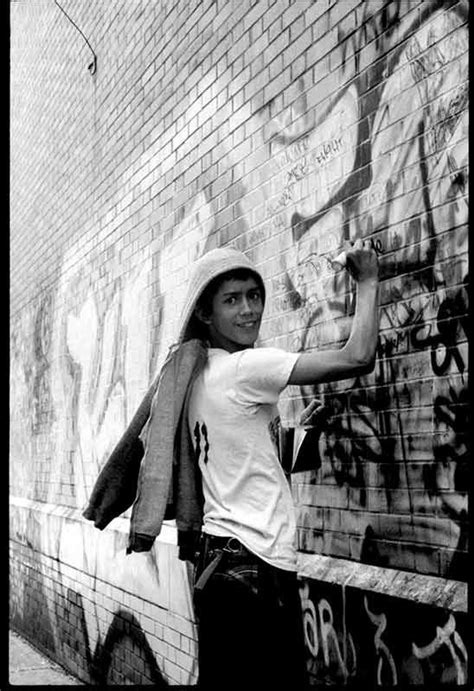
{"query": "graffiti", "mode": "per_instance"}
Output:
(376, 148)
(31, 362)
(125, 633)
(309, 622)
(82, 625)
(320, 635)
(385, 658)
(108, 664)
(443, 91)
(41, 393)
(96, 346)
(392, 654)
(452, 325)
(374, 26)
(106, 365)
(299, 171)
(389, 165)
(455, 646)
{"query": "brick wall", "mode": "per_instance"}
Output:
(284, 128)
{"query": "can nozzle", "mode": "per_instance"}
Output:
(340, 261)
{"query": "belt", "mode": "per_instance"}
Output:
(228, 544)
(219, 545)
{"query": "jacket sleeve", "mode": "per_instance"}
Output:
(116, 486)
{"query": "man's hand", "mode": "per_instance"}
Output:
(361, 261)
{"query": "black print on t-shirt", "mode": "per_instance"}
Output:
(198, 431)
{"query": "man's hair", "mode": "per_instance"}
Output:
(204, 302)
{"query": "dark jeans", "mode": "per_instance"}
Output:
(249, 619)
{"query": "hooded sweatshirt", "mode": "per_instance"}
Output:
(154, 466)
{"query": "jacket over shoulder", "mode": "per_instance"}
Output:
(146, 475)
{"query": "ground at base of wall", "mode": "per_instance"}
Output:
(29, 667)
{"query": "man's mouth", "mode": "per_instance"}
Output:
(248, 325)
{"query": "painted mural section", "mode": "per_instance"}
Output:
(352, 635)
(385, 158)
(299, 126)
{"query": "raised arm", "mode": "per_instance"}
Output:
(357, 356)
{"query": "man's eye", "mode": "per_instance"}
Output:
(231, 300)
(255, 296)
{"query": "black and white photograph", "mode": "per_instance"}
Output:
(239, 416)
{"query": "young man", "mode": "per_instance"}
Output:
(246, 595)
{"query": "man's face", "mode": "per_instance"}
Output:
(237, 310)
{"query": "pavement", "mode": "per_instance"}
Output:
(30, 667)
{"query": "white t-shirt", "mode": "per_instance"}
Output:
(231, 416)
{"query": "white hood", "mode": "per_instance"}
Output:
(204, 270)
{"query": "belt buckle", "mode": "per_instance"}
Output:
(228, 547)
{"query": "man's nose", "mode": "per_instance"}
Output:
(246, 306)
